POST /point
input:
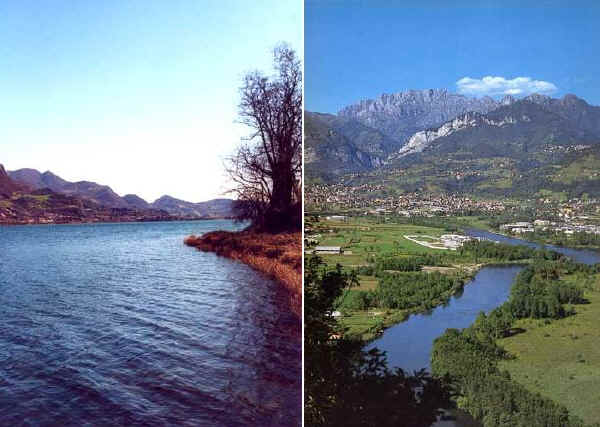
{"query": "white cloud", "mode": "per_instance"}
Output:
(493, 86)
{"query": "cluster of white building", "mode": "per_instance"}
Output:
(528, 227)
(518, 227)
(454, 241)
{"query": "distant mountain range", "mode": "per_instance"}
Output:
(28, 193)
(409, 133)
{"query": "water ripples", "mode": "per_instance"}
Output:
(121, 324)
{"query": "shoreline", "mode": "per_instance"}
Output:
(278, 256)
(397, 316)
(18, 224)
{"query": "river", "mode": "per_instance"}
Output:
(408, 344)
(122, 324)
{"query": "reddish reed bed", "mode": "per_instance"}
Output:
(277, 255)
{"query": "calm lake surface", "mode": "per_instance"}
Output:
(408, 344)
(122, 324)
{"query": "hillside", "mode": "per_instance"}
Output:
(105, 196)
(517, 130)
(328, 153)
(136, 201)
(101, 194)
(217, 208)
(534, 146)
(48, 207)
(7, 185)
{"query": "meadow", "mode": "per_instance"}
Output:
(561, 359)
(363, 239)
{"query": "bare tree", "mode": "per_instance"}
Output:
(267, 167)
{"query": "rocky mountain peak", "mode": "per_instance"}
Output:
(571, 100)
(507, 100)
(538, 99)
(399, 115)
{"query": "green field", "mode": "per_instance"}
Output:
(561, 359)
(367, 238)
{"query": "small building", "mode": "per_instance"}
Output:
(328, 250)
(453, 241)
(521, 230)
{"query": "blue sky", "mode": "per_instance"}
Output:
(359, 49)
(139, 95)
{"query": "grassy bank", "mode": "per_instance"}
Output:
(277, 255)
(368, 324)
(561, 360)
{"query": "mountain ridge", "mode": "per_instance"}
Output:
(399, 115)
(520, 142)
(105, 196)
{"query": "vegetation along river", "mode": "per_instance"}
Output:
(408, 344)
(123, 324)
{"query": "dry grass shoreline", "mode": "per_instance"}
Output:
(277, 255)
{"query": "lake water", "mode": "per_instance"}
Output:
(408, 344)
(122, 324)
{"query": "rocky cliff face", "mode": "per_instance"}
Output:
(402, 114)
(421, 140)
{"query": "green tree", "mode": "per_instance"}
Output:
(346, 385)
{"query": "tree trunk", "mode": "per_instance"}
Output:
(280, 212)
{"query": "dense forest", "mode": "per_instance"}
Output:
(486, 250)
(403, 291)
(469, 358)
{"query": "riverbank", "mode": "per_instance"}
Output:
(277, 255)
(551, 364)
(368, 325)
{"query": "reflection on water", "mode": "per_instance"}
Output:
(123, 324)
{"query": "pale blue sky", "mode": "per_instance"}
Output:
(360, 49)
(139, 95)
